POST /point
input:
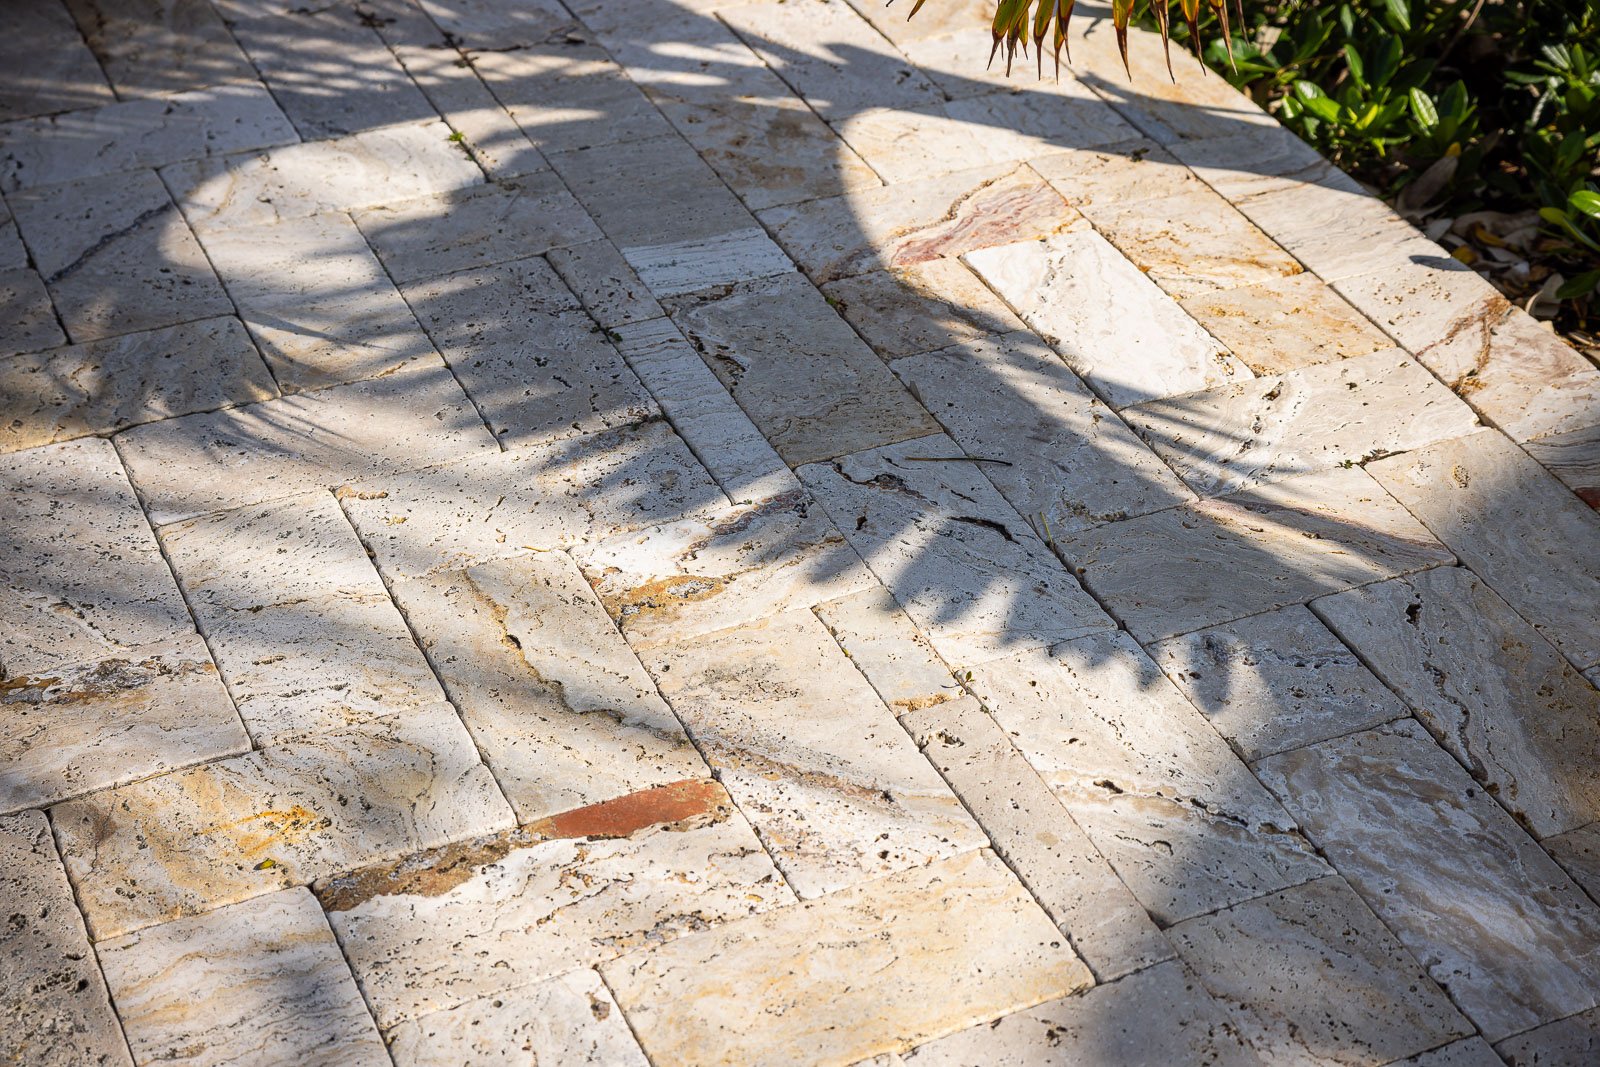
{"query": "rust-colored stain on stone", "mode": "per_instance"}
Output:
(255, 834)
(663, 596)
(629, 814)
(434, 873)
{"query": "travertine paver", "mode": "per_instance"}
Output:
(1169, 804)
(505, 912)
(190, 842)
(318, 304)
(475, 227)
(713, 425)
(569, 1019)
(832, 783)
(281, 448)
(1066, 462)
(1276, 681)
(638, 464)
(116, 255)
(261, 981)
(551, 496)
(799, 371)
(85, 726)
(942, 947)
(745, 563)
(1036, 837)
(306, 643)
(1112, 325)
(53, 996)
(886, 647)
(915, 222)
(1226, 439)
(559, 707)
(135, 134)
(1519, 530)
(1496, 695)
(186, 48)
(109, 385)
(1311, 976)
(81, 577)
(955, 555)
(1491, 916)
(532, 361)
(1159, 1015)
(1299, 538)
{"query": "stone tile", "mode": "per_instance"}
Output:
(280, 448)
(1333, 415)
(1519, 529)
(568, 1019)
(797, 369)
(190, 842)
(995, 952)
(608, 288)
(1101, 179)
(915, 222)
(1573, 457)
(1276, 681)
(12, 255)
(326, 67)
(92, 725)
(499, 504)
(54, 999)
(109, 385)
(1489, 688)
(116, 256)
(1285, 324)
(303, 630)
(1471, 1052)
(961, 562)
(561, 710)
(920, 308)
(677, 580)
(1455, 879)
(889, 650)
(568, 95)
(1298, 539)
(81, 576)
(148, 47)
(533, 362)
(137, 134)
(1038, 840)
(1193, 243)
(1264, 160)
(48, 67)
(320, 306)
(503, 913)
(1339, 230)
(830, 55)
(1516, 373)
(607, 180)
(1571, 1040)
(347, 174)
(29, 320)
(1578, 852)
(834, 787)
(687, 266)
(902, 29)
(487, 23)
(1164, 799)
(1310, 975)
(260, 981)
(1159, 1015)
(434, 235)
(1066, 461)
(718, 431)
(1113, 326)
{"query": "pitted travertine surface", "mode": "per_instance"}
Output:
(678, 532)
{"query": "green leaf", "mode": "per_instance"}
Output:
(1582, 285)
(1352, 59)
(1399, 14)
(1587, 201)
